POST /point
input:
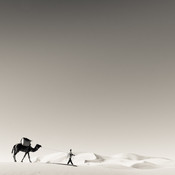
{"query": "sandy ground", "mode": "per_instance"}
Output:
(91, 164)
(55, 169)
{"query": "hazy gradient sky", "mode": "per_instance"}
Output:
(94, 76)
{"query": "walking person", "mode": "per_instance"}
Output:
(70, 157)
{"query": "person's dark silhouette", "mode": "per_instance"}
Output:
(70, 158)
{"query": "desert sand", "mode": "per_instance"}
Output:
(91, 163)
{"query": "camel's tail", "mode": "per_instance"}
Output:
(13, 149)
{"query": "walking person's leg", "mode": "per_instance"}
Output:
(68, 161)
(71, 162)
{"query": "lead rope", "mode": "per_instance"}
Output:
(53, 149)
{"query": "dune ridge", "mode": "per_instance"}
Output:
(127, 160)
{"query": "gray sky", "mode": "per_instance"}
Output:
(94, 76)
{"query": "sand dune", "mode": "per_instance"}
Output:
(127, 160)
(62, 169)
(91, 163)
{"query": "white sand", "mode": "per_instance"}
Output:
(55, 169)
(128, 160)
(91, 164)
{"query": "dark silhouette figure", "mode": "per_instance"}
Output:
(70, 158)
(19, 147)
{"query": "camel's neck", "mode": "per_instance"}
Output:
(34, 149)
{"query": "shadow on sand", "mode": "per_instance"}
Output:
(63, 164)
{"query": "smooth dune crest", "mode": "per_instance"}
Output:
(127, 160)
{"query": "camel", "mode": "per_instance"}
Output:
(27, 149)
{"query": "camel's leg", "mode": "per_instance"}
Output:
(29, 158)
(14, 157)
(14, 151)
(24, 157)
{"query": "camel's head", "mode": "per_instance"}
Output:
(38, 146)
